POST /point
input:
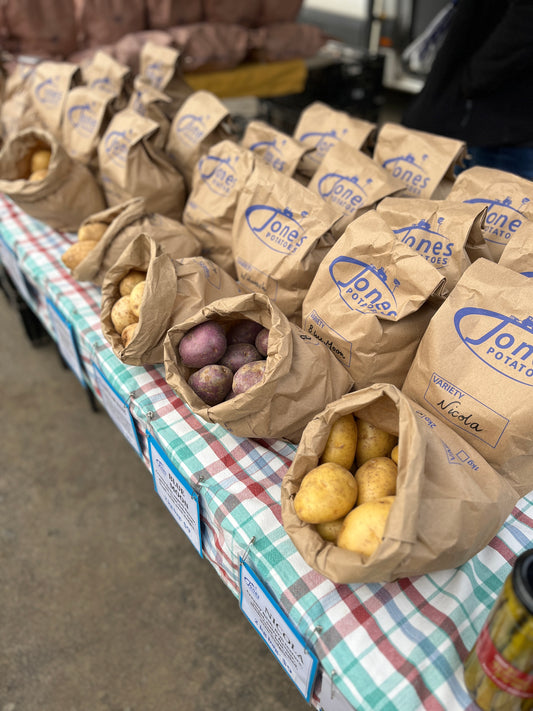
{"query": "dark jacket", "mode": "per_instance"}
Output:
(480, 87)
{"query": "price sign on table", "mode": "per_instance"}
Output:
(275, 628)
(65, 340)
(11, 265)
(176, 493)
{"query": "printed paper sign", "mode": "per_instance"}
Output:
(9, 260)
(176, 493)
(66, 341)
(284, 641)
(117, 409)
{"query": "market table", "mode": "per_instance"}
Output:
(395, 646)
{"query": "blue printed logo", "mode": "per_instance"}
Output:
(218, 174)
(435, 247)
(502, 342)
(154, 74)
(116, 146)
(406, 169)
(102, 84)
(272, 153)
(502, 219)
(48, 93)
(82, 119)
(277, 229)
(191, 129)
(322, 141)
(363, 287)
(343, 191)
(137, 103)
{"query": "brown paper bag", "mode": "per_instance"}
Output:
(320, 127)
(87, 113)
(369, 302)
(474, 367)
(518, 253)
(51, 82)
(105, 74)
(279, 150)
(218, 178)
(424, 162)
(301, 375)
(201, 122)
(160, 66)
(352, 183)
(62, 199)
(449, 501)
(132, 165)
(175, 290)
(447, 234)
(126, 221)
(17, 111)
(148, 101)
(281, 233)
(507, 197)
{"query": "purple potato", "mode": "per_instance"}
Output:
(237, 354)
(212, 383)
(203, 344)
(243, 331)
(261, 341)
(248, 375)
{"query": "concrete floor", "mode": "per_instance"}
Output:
(105, 605)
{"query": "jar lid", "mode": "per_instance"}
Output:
(523, 579)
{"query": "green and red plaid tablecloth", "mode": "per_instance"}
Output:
(387, 647)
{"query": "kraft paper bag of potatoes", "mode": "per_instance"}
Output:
(58, 190)
(146, 291)
(274, 395)
(415, 499)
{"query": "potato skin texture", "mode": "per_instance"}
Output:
(237, 354)
(363, 528)
(204, 344)
(77, 252)
(342, 442)
(248, 375)
(243, 331)
(376, 478)
(261, 341)
(211, 383)
(121, 314)
(372, 442)
(327, 492)
(329, 530)
(394, 454)
(129, 280)
(92, 230)
(128, 333)
(40, 159)
(136, 297)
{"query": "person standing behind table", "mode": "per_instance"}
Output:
(480, 86)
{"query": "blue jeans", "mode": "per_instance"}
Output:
(513, 159)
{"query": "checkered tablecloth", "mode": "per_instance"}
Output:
(398, 646)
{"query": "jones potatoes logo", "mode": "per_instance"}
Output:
(191, 129)
(363, 287)
(154, 74)
(48, 93)
(82, 118)
(116, 146)
(435, 247)
(271, 152)
(502, 342)
(103, 84)
(502, 219)
(276, 228)
(406, 169)
(343, 191)
(218, 174)
(322, 142)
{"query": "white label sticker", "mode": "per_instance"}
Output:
(176, 493)
(277, 631)
(9, 260)
(117, 409)
(65, 341)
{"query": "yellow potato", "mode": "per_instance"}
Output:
(132, 278)
(92, 230)
(76, 253)
(128, 333)
(394, 454)
(342, 441)
(136, 297)
(121, 313)
(38, 174)
(329, 530)
(372, 442)
(363, 528)
(375, 479)
(40, 159)
(326, 493)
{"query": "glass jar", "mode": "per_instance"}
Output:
(498, 671)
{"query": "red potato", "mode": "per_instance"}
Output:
(237, 354)
(261, 341)
(203, 345)
(243, 331)
(248, 375)
(212, 383)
